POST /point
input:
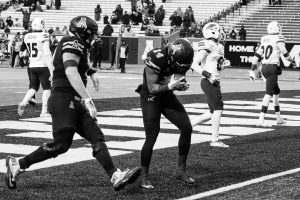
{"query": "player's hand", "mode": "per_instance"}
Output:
(96, 81)
(91, 107)
(226, 64)
(183, 86)
(252, 76)
(174, 84)
(51, 77)
(212, 79)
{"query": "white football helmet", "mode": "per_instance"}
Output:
(38, 24)
(211, 30)
(274, 28)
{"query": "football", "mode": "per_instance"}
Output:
(167, 79)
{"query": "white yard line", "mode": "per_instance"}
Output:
(240, 185)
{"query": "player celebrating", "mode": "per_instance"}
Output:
(269, 52)
(40, 64)
(72, 108)
(157, 97)
(209, 61)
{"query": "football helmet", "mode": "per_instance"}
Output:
(85, 28)
(181, 54)
(38, 24)
(274, 28)
(211, 30)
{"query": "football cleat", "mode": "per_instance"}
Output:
(32, 102)
(121, 179)
(218, 144)
(145, 183)
(21, 109)
(281, 122)
(181, 174)
(13, 170)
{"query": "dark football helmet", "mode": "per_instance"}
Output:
(181, 54)
(85, 28)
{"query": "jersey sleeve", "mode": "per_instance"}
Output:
(71, 45)
(280, 38)
(156, 60)
(45, 37)
(204, 45)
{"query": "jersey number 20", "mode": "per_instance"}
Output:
(267, 52)
(32, 49)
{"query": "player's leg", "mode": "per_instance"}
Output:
(151, 110)
(32, 100)
(44, 76)
(89, 129)
(201, 119)
(35, 84)
(215, 102)
(279, 119)
(175, 113)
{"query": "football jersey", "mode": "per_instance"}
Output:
(214, 58)
(34, 45)
(268, 49)
(69, 44)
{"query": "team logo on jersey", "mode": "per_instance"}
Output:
(75, 44)
(82, 23)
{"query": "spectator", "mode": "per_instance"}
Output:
(150, 10)
(187, 20)
(9, 21)
(191, 13)
(39, 7)
(145, 24)
(2, 24)
(176, 20)
(232, 34)
(17, 23)
(27, 3)
(57, 31)
(133, 5)
(7, 30)
(3, 43)
(151, 29)
(97, 12)
(128, 32)
(125, 18)
(57, 4)
(50, 31)
(179, 12)
(114, 18)
(119, 12)
(97, 47)
(105, 19)
(49, 4)
(242, 33)
(134, 18)
(15, 50)
(65, 30)
(159, 16)
(26, 17)
(107, 30)
(140, 16)
(124, 50)
(113, 53)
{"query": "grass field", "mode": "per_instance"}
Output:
(253, 153)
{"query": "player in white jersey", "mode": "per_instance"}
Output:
(272, 45)
(209, 61)
(40, 64)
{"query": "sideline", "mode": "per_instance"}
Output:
(240, 185)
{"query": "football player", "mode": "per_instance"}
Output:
(72, 108)
(157, 97)
(209, 61)
(40, 65)
(269, 52)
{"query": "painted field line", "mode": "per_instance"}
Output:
(240, 185)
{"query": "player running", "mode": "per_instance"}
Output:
(157, 97)
(269, 52)
(40, 65)
(72, 108)
(209, 61)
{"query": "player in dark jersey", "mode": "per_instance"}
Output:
(72, 109)
(157, 98)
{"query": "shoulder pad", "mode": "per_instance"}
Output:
(280, 38)
(204, 45)
(155, 59)
(72, 45)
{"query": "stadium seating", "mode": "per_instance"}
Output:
(71, 8)
(256, 18)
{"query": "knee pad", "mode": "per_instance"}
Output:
(56, 149)
(98, 146)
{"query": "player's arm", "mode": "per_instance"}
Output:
(155, 88)
(48, 56)
(71, 62)
(94, 77)
(253, 73)
(281, 46)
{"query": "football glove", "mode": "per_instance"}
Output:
(175, 84)
(183, 86)
(225, 64)
(91, 107)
